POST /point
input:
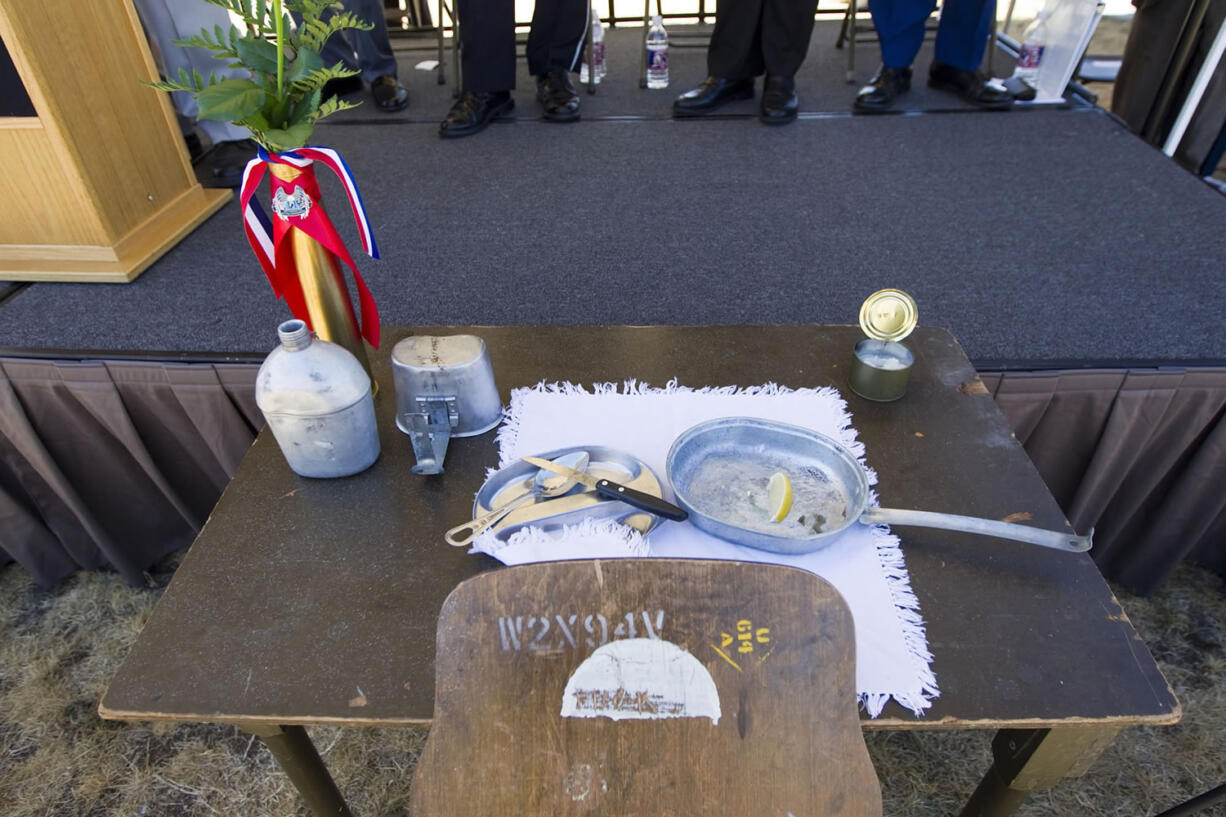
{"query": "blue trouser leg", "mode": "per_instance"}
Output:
(963, 35)
(900, 28)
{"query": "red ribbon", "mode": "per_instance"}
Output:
(298, 205)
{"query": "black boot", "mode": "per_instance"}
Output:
(779, 102)
(882, 90)
(972, 86)
(557, 95)
(472, 112)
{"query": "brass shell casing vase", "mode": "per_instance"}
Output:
(329, 308)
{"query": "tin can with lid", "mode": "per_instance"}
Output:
(881, 365)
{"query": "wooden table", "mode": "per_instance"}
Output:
(298, 593)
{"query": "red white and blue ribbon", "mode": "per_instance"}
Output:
(296, 205)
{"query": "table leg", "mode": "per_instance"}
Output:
(295, 753)
(1028, 760)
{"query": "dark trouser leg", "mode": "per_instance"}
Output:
(900, 28)
(963, 35)
(297, 757)
(487, 42)
(556, 37)
(787, 26)
(735, 51)
(1028, 760)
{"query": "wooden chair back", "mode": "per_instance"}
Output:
(645, 688)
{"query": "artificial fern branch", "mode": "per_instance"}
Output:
(314, 34)
(281, 99)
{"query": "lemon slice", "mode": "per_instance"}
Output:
(779, 494)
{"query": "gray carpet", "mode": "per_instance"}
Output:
(1033, 236)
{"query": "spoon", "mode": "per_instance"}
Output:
(544, 486)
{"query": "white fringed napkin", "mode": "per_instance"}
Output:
(864, 563)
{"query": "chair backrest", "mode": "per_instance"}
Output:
(645, 688)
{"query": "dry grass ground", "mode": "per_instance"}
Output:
(58, 649)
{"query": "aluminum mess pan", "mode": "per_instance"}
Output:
(720, 469)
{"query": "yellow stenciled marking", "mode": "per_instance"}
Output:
(724, 656)
(746, 636)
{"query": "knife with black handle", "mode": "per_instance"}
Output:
(614, 490)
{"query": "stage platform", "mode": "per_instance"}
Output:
(1038, 237)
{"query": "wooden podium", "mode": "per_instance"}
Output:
(98, 185)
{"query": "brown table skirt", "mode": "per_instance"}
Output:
(113, 464)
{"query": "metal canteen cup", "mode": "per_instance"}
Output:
(444, 388)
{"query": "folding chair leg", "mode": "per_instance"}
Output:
(455, 56)
(591, 59)
(442, 70)
(851, 43)
(643, 49)
(992, 49)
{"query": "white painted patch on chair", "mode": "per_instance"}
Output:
(643, 679)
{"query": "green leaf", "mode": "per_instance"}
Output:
(304, 109)
(334, 104)
(235, 7)
(317, 79)
(257, 55)
(282, 139)
(314, 33)
(305, 63)
(257, 122)
(230, 100)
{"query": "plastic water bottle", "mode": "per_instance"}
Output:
(657, 54)
(597, 53)
(317, 400)
(1030, 56)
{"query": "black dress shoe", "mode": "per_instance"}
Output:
(389, 94)
(223, 164)
(472, 112)
(972, 86)
(557, 95)
(779, 102)
(886, 86)
(341, 87)
(713, 93)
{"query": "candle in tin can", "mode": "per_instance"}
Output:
(882, 364)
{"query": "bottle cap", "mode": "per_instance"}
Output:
(888, 314)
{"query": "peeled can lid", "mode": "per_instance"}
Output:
(888, 314)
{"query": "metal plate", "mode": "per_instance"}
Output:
(575, 505)
(719, 471)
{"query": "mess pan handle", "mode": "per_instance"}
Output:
(970, 524)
